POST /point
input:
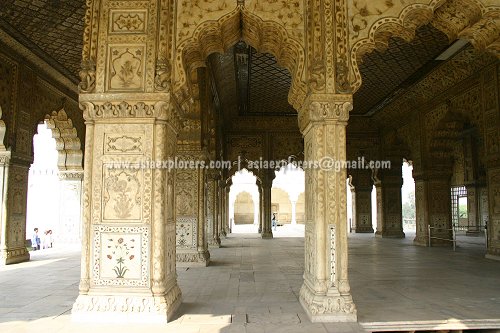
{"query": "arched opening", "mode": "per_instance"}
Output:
(244, 203)
(54, 183)
(287, 201)
(408, 199)
(44, 184)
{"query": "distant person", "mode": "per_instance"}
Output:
(273, 221)
(47, 240)
(35, 240)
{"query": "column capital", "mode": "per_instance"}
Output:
(71, 175)
(159, 106)
(319, 108)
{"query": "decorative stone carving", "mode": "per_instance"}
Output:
(128, 21)
(126, 68)
(325, 293)
(123, 255)
(192, 247)
(222, 22)
(87, 76)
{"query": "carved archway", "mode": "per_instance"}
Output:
(466, 19)
(68, 144)
(239, 25)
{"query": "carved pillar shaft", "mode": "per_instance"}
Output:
(493, 251)
(353, 209)
(261, 209)
(212, 210)
(325, 294)
(389, 205)
(128, 236)
(15, 191)
(226, 224)
(192, 247)
(267, 183)
(433, 208)
(363, 210)
(69, 231)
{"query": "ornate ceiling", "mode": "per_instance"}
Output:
(399, 65)
(52, 29)
(249, 82)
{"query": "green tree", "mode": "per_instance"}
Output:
(409, 206)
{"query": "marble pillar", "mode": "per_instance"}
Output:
(433, 208)
(14, 192)
(128, 223)
(325, 293)
(191, 237)
(389, 203)
(261, 208)
(362, 202)
(212, 207)
(267, 183)
(70, 194)
(493, 176)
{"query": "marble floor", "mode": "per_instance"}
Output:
(252, 285)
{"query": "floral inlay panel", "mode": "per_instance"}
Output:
(128, 21)
(186, 232)
(126, 68)
(121, 256)
(122, 197)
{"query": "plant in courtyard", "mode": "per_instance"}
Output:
(120, 252)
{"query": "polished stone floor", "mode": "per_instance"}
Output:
(252, 285)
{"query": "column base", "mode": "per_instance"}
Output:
(329, 307)
(214, 243)
(421, 241)
(267, 234)
(14, 256)
(186, 258)
(126, 308)
(363, 230)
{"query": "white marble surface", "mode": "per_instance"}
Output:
(252, 286)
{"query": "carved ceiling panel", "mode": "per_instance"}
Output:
(401, 64)
(53, 29)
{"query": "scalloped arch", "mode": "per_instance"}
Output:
(218, 36)
(478, 24)
(68, 145)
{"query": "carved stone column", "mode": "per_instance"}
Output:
(432, 207)
(362, 203)
(353, 205)
(69, 231)
(389, 203)
(325, 294)
(493, 226)
(128, 271)
(226, 225)
(128, 239)
(192, 246)
(267, 183)
(14, 190)
(212, 208)
(261, 207)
